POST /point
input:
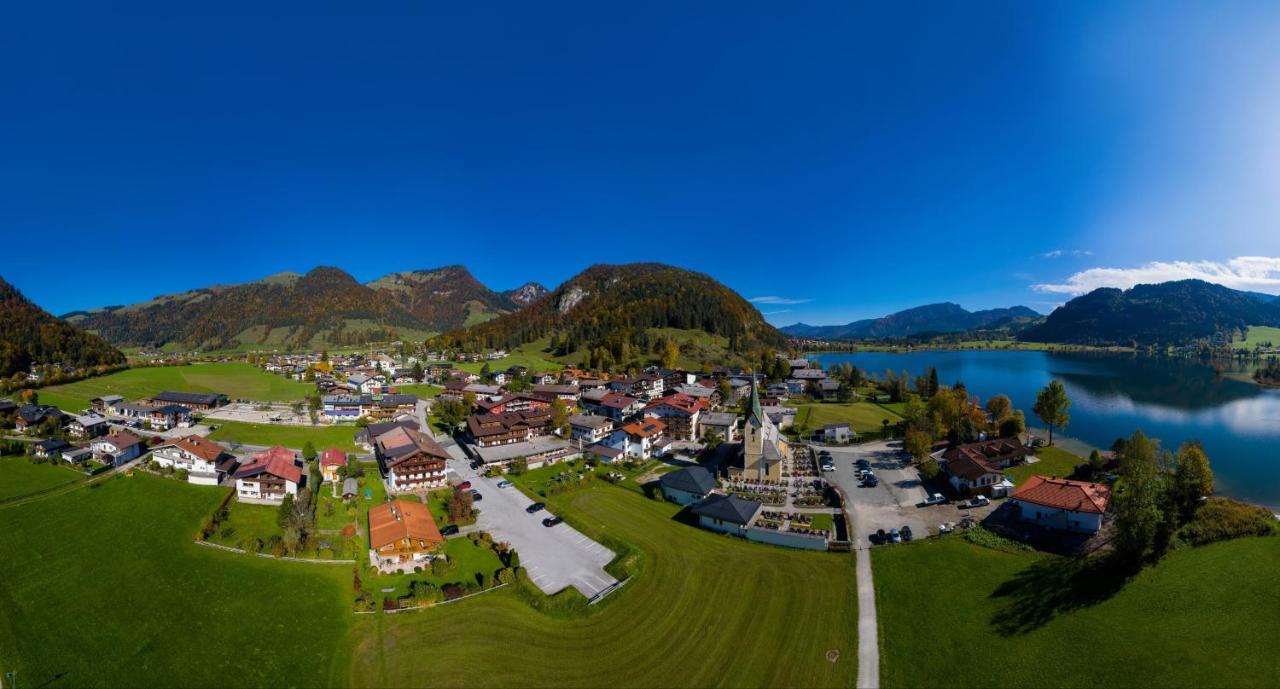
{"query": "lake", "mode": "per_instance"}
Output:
(1173, 400)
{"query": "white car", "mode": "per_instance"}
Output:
(828, 467)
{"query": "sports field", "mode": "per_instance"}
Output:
(236, 380)
(293, 437)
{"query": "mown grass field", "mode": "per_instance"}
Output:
(103, 586)
(294, 437)
(953, 614)
(236, 380)
(1054, 461)
(861, 416)
(19, 477)
(703, 610)
(1258, 335)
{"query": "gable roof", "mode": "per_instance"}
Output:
(188, 397)
(645, 428)
(401, 442)
(693, 479)
(121, 440)
(397, 520)
(277, 461)
(685, 404)
(727, 508)
(333, 457)
(1065, 494)
(199, 446)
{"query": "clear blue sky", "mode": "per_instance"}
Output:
(845, 159)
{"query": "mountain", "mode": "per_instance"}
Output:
(614, 307)
(1260, 296)
(446, 298)
(322, 308)
(32, 335)
(1169, 312)
(526, 294)
(932, 318)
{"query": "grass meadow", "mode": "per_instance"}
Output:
(236, 380)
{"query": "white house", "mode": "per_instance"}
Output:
(200, 457)
(117, 448)
(639, 438)
(1062, 503)
(269, 476)
(589, 429)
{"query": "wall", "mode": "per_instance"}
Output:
(789, 540)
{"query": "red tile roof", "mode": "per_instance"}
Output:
(333, 457)
(645, 428)
(1065, 494)
(397, 520)
(199, 446)
(681, 402)
(278, 461)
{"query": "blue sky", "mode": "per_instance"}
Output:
(838, 160)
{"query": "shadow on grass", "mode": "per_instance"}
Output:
(1056, 586)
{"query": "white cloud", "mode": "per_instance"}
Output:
(1255, 273)
(774, 313)
(1059, 253)
(778, 300)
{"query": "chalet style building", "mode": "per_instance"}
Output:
(489, 430)
(117, 448)
(402, 535)
(588, 429)
(1063, 504)
(332, 461)
(978, 468)
(522, 402)
(269, 476)
(411, 460)
(204, 460)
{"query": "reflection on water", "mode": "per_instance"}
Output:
(1170, 399)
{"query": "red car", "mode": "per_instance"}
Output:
(462, 486)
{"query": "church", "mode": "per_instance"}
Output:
(762, 449)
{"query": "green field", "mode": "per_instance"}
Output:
(1054, 461)
(861, 416)
(19, 477)
(236, 380)
(953, 614)
(422, 390)
(702, 610)
(294, 437)
(1259, 335)
(530, 355)
(103, 586)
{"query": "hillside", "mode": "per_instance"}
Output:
(32, 335)
(446, 298)
(322, 308)
(932, 318)
(1167, 313)
(526, 294)
(605, 315)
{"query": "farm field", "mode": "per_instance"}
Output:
(679, 622)
(293, 437)
(1260, 335)
(1180, 623)
(127, 599)
(19, 477)
(236, 380)
(861, 416)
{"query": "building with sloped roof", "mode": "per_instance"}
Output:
(688, 485)
(726, 513)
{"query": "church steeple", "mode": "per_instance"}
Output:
(756, 415)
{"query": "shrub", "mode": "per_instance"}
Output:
(182, 474)
(251, 544)
(990, 539)
(1220, 519)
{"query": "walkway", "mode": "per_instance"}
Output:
(868, 627)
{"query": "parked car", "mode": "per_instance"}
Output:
(476, 496)
(946, 528)
(828, 467)
(462, 486)
(976, 501)
(862, 464)
(551, 521)
(895, 536)
(449, 530)
(879, 536)
(505, 483)
(870, 481)
(935, 499)
(906, 532)
(535, 507)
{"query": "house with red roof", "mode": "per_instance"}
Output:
(204, 460)
(1059, 503)
(331, 461)
(680, 413)
(638, 438)
(269, 476)
(978, 468)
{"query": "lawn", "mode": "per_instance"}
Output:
(236, 380)
(1260, 335)
(125, 598)
(422, 390)
(470, 559)
(1182, 623)
(1054, 461)
(19, 477)
(861, 416)
(703, 610)
(341, 437)
(530, 355)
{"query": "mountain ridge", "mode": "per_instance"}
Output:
(942, 317)
(33, 336)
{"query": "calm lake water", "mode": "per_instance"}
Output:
(1113, 394)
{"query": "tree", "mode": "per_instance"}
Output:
(308, 451)
(518, 466)
(726, 392)
(285, 512)
(1096, 464)
(999, 407)
(1013, 425)
(918, 445)
(933, 381)
(418, 373)
(1051, 407)
(1192, 479)
(844, 393)
(460, 508)
(670, 354)
(560, 417)
(1137, 504)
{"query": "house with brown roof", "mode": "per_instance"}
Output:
(614, 405)
(515, 403)
(402, 535)
(489, 430)
(411, 460)
(638, 438)
(680, 413)
(1063, 504)
(204, 460)
(117, 448)
(978, 468)
(269, 476)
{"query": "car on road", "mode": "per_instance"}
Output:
(828, 466)
(905, 531)
(879, 536)
(505, 483)
(935, 499)
(551, 521)
(975, 501)
(870, 482)
(476, 496)
(535, 507)
(862, 464)
(895, 536)
(449, 530)
(462, 486)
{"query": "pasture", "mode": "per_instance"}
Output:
(236, 380)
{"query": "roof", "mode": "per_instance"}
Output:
(171, 410)
(693, 479)
(188, 397)
(719, 418)
(618, 401)
(1065, 494)
(350, 486)
(685, 404)
(277, 461)
(727, 508)
(333, 457)
(755, 415)
(645, 428)
(401, 441)
(53, 444)
(397, 520)
(199, 446)
(121, 439)
(590, 421)
(835, 426)
(975, 460)
(605, 451)
(538, 445)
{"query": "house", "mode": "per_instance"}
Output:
(723, 424)
(102, 404)
(514, 403)
(726, 513)
(762, 451)
(331, 462)
(977, 468)
(565, 393)
(269, 476)
(537, 452)
(688, 485)
(205, 461)
(200, 401)
(680, 414)
(638, 438)
(646, 386)
(614, 405)
(340, 408)
(77, 455)
(31, 416)
(169, 416)
(117, 448)
(489, 430)
(1063, 504)
(835, 433)
(411, 460)
(87, 426)
(590, 428)
(52, 447)
(8, 407)
(366, 435)
(500, 377)
(402, 533)
(809, 374)
(828, 389)
(603, 453)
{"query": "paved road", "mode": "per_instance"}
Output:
(868, 627)
(554, 557)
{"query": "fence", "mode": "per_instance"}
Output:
(786, 539)
(269, 556)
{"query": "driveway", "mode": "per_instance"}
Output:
(554, 557)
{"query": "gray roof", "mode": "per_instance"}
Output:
(693, 479)
(350, 486)
(727, 508)
(589, 420)
(835, 426)
(718, 418)
(188, 397)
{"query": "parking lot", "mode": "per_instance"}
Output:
(250, 412)
(894, 503)
(554, 557)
